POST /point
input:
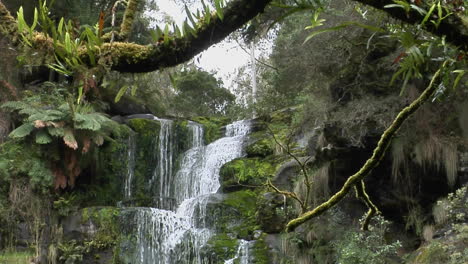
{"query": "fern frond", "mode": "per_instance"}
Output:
(42, 137)
(69, 139)
(22, 131)
(86, 121)
(56, 131)
(16, 105)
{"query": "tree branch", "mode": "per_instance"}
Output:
(130, 57)
(374, 160)
(454, 27)
(128, 18)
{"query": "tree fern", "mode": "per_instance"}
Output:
(22, 131)
(42, 137)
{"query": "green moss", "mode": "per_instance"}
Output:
(260, 251)
(145, 127)
(212, 127)
(147, 139)
(261, 148)
(106, 221)
(245, 172)
(223, 247)
(23, 159)
(433, 253)
(244, 203)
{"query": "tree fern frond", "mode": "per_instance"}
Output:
(22, 131)
(87, 122)
(16, 105)
(56, 131)
(69, 139)
(42, 137)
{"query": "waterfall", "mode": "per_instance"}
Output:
(131, 143)
(167, 236)
(242, 254)
(163, 171)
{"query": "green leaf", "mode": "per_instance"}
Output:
(68, 45)
(134, 89)
(56, 131)
(428, 14)
(343, 25)
(34, 24)
(190, 17)
(22, 131)
(121, 92)
(42, 137)
(219, 9)
(60, 26)
(421, 11)
(458, 78)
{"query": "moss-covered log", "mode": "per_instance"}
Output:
(374, 160)
(129, 57)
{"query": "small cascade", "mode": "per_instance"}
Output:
(163, 171)
(197, 134)
(166, 236)
(131, 143)
(242, 254)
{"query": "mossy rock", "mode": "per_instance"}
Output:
(212, 127)
(432, 253)
(147, 138)
(242, 172)
(260, 252)
(261, 148)
(221, 247)
(270, 213)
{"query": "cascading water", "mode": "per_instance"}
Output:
(242, 254)
(130, 166)
(163, 170)
(167, 236)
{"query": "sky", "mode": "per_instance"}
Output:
(223, 58)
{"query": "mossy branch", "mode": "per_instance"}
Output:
(130, 57)
(373, 210)
(454, 27)
(8, 26)
(374, 160)
(128, 18)
(292, 195)
(302, 164)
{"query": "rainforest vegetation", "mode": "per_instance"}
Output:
(358, 151)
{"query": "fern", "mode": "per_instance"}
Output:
(42, 137)
(22, 131)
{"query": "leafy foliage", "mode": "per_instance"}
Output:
(47, 120)
(367, 247)
(200, 93)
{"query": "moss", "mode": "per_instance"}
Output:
(260, 251)
(212, 127)
(374, 160)
(100, 186)
(146, 141)
(106, 221)
(244, 203)
(433, 253)
(261, 148)
(222, 247)
(245, 172)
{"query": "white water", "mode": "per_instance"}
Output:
(130, 166)
(242, 254)
(170, 237)
(163, 170)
